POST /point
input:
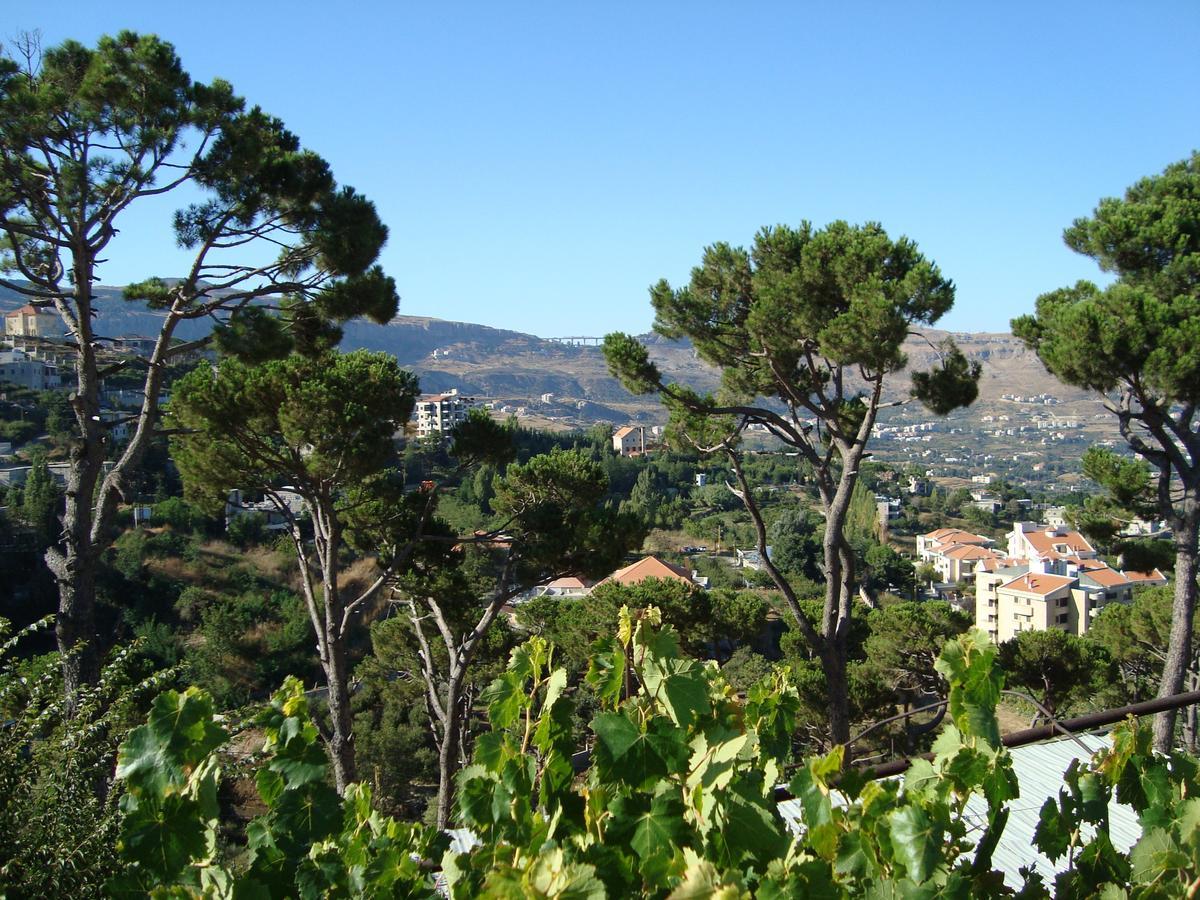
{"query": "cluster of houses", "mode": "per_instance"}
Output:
(1047, 576)
(35, 348)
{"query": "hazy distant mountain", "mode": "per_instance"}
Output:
(506, 365)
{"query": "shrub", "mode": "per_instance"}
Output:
(58, 810)
(247, 529)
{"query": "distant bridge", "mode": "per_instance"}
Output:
(578, 341)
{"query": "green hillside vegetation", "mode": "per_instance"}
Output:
(259, 639)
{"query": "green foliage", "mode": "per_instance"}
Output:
(885, 569)
(676, 766)
(795, 541)
(179, 514)
(846, 294)
(1135, 636)
(745, 668)
(1136, 341)
(1057, 668)
(19, 432)
(905, 641)
(678, 800)
(246, 643)
(553, 503)
(1160, 788)
(704, 621)
(58, 811)
(298, 422)
(396, 753)
(41, 503)
(247, 529)
(309, 842)
(862, 518)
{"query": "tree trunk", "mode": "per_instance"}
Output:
(341, 740)
(1179, 646)
(328, 541)
(75, 629)
(92, 496)
(833, 660)
(73, 565)
(1189, 713)
(448, 748)
(839, 592)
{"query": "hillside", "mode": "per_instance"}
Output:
(516, 369)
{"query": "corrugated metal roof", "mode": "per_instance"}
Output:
(1039, 769)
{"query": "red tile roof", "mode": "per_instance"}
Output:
(1152, 577)
(1036, 583)
(569, 583)
(649, 567)
(1106, 577)
(1048, 545)
(969, 551)
(956, 536)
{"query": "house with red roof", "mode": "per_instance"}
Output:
(955, 553)
(651, 567)
(1034, 541)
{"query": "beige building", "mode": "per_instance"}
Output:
(956, 554)
(31, 321)
(1029, 602)
(1028, 596)
(629, 440)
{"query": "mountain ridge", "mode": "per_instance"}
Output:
(514, 366)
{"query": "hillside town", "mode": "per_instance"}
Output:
(780, 479)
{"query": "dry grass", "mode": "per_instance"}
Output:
(1011, 719)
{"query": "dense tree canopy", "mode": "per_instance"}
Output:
(85, 135)
(1136, 343)
(321, 429)
(806, 327)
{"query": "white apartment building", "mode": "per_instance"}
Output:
(18, 367)
(1029, 540)
(441, 412)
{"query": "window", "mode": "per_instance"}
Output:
(1062, 618)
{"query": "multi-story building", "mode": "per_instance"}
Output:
(955, 553)
(629, 440)
(441, 412)
(18, 367)
(1013, 599)
(30, 321)
(1029, 540)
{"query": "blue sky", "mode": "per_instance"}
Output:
(540, 164)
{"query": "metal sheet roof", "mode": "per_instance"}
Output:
(1039, 768)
